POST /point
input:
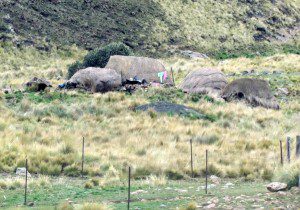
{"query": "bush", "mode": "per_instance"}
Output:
(288, 174)
(99, 57)
(73, 68)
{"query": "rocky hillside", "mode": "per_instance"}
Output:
(151, 26)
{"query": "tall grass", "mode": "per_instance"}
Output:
(48, 127)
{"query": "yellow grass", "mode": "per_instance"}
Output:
(247, 142)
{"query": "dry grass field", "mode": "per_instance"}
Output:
(48, 127)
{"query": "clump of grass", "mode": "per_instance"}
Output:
(88, 185)
(95, 181)
(3, 184)
(65, 206)
(191, 206)
(173, 175)
(94, 206)
(156, 180)
(11, 184)
(288, 174)
(211, 139)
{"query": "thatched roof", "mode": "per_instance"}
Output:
(96, 79)
(141, 67)
(257, 92)
(204, 81)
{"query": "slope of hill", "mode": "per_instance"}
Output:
(151, 26)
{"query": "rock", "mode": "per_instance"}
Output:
(227, 199)
(30, 204)
(276, 186)
(256, 92)
(204, 81)
(171, 109)
(281, 193)
(148, 69)
(231, 74)
(192, 54)
(282, 92)
(229, 184)
(22, 172)
(210, 206)
(95, 80)
(214, 179)
(7, 90)
(37, 84)
(214, 200)
(138, 192)
(245, 72)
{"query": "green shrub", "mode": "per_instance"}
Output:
(173, 175)
(88, 185)
(99, 57)
(288, 174)
(191, 206)
(74, 67)
(72, 171)
(4, 27)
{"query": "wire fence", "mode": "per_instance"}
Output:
(278, 159)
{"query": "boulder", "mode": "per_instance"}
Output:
(276, 186)
(192, 54)
(143, 68)
(22, 172)
(256, 92)
(95, 80)
(171, 109)
(8, 90)
(37, 84)
(214, 179)
(204, 81)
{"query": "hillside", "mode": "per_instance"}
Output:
(151, 27)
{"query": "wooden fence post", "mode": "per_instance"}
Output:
(173, 76)
(288, 149)
(26, 176)
(206, 170)
(281, 153)
(192, 164)
(82, 158)
(129, 177)
(298, 147)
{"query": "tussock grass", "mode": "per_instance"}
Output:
(48, 127)
(289, 174)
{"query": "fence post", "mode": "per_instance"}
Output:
(26, 176)
(281, 153)
(129, 177)
(206, 170)
(298, 147)
(82, 158)
(173, 76)
(288, 149)
(192, 164)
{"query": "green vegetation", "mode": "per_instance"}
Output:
(60, 192)
(224, 29)
(99, 57)
(289, 174)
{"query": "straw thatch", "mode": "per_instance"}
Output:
(95, 79)
(257, 92)
(204, 81)
(139, 67)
